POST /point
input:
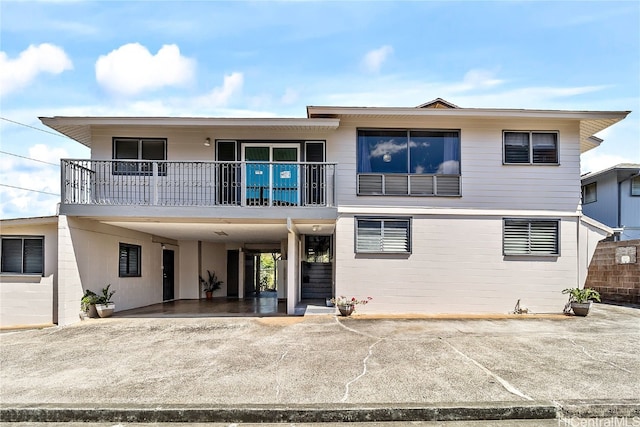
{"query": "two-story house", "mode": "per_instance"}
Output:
(432, 209)
(612, 196)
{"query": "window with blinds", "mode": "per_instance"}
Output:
(129, 260)
(635, 186)
(22, 255)
(531, 237)
(145, 151)
(383, 235)
(530, 147)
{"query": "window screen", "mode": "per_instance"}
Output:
(374, 235)
(23, 255)
(531, 237)
(530, 147)
(129, 260)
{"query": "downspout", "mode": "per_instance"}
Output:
(618, 236)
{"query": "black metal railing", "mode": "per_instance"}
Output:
(184, 183)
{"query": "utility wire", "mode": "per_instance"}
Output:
(29, 189)
(29, 158)
(33, 127)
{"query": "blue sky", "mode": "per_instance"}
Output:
(270, 59)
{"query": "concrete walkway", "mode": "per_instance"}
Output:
(324, 368)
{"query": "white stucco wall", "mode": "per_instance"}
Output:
(456, 266)
(88, 259)
(590, 234)
(188, 286)
(214, 258)
(28, 299)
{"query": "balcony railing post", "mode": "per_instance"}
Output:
(154, 184)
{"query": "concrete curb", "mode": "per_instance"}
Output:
(625, 408)
(277, 414)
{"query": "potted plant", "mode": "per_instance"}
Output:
(581, 299)
(88, 304)
(104, 306)
(210, 284)
(346, 306)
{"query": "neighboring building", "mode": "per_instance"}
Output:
(612, 196)
(29, 263)
(433, 209)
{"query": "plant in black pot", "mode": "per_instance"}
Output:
(580, 299)
(105, 307)
(210, 284)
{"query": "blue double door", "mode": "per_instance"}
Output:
(272, 175)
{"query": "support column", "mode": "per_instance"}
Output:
(293, 285)
(69, 283)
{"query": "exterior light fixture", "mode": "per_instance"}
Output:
(207, 142)
(316, 228)
(386, 158)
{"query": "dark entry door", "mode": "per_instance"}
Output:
(233, 264)
(168, 275)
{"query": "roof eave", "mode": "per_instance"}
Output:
(79, 128)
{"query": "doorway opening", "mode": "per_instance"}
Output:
(264, 274)
(317, 268)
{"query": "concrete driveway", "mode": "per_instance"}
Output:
(329, 362)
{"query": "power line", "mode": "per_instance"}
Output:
(35, 128)
(28, 189)
(29, 158)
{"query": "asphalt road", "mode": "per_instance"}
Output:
(327, 361)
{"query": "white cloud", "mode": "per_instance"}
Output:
(476, 79)
(220, 96)
(132, 69)
(290, 96)
(477, 89)
(27, 174)
(47, 154)
(43, 58)
(373, 60)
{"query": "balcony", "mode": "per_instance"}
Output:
(197, 184)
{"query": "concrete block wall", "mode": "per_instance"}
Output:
(615, 271)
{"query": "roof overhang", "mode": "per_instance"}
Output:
(36, 220)
(591, 122)
(79, 128)
(622, 172)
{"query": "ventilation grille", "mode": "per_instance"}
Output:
(408, 185)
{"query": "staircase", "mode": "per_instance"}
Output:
(316, 280)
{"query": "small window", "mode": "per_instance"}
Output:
(376, 235)
(147, 149)
(23, 255)
(589, 193)
(129, 260)
(635, 186)
(531, 237)
(530, 147)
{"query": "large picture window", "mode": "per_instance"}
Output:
(383, 235)
(129, 260)
(144, 149)
(530, 147)
(531, 237)
(23, 255)
(409, 162)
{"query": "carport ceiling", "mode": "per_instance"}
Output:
(238, 232)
